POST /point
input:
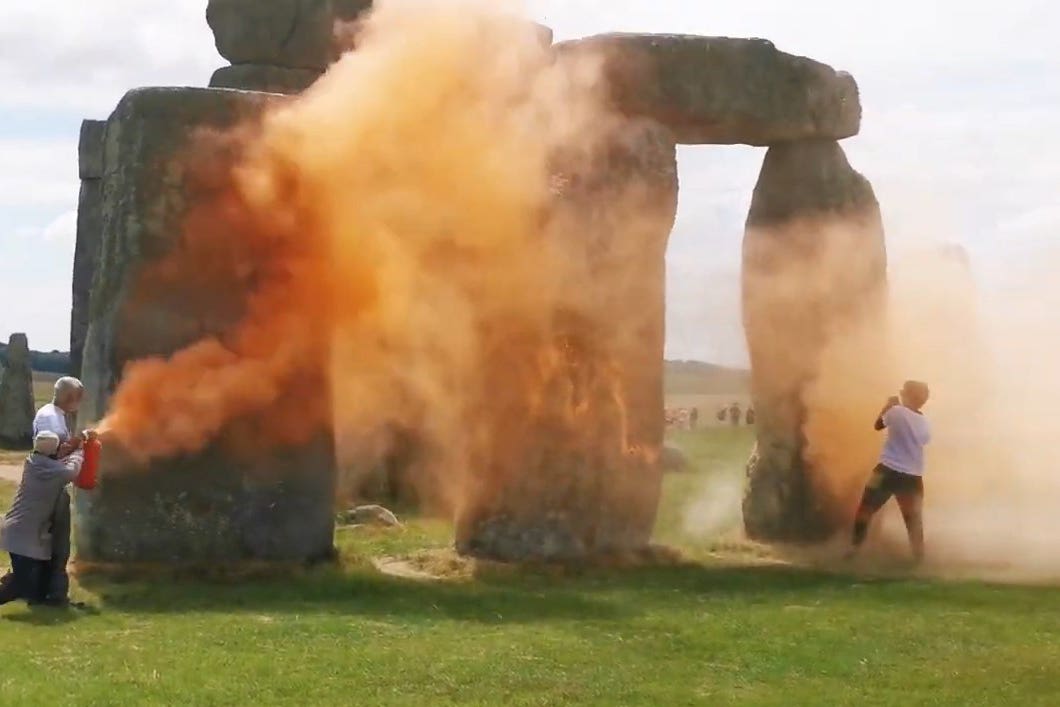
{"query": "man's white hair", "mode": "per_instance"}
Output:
(66, 384)
(46, 443)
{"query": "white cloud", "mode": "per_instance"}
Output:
(38, 173)
(74, 55)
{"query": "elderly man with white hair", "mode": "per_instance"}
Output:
(26, 530)
(56, 417)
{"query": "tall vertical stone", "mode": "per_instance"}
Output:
(89, 227)
(233, 500)
(16, 395)
(814, 267)
(575, 471)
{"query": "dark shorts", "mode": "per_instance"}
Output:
(886, 482)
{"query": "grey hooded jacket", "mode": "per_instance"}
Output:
(26, 529)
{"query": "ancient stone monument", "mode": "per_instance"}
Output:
(213, 505)
(280, 46)
(16, 395)
(566, 486)
(812, 218)
(575, 491)
(89, 228)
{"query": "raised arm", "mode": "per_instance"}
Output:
(893, 401)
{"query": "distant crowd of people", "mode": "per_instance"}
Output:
(688, 418)
(735, 414)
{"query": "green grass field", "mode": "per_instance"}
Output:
(722, 628)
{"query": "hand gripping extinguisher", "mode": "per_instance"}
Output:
(89, 473)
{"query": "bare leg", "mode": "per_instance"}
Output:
(912, 505)
(873, 498)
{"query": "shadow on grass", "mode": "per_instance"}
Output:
(48, 616)
(360, 592)
(514, 597)
(528, 595)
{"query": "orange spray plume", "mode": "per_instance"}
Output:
(378, 233)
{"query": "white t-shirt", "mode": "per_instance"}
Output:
(51, 419)
(907, 433)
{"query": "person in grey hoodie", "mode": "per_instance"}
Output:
(26, 529)
(57, 416)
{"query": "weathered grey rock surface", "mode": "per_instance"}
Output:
(723, 90)
(566, 487)
(16, 395)
(297, 34)
(90, 149)
(89, 228)
(261, 77)
(814, 263)
(371, 515)
(276, 504)
(86, 253)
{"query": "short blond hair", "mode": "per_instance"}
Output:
(918, 391)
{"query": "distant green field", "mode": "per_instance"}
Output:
(691, 384)
(43, 386)
(688, 384)
(726, 628)
(698, 378)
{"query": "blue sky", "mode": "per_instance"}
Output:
(960, 136)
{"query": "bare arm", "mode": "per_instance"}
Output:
(891, 402)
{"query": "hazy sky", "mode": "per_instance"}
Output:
(960, 136)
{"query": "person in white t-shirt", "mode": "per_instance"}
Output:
(900, 472)
(53, 418)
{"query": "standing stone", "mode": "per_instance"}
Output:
(275, 503)
(722, 90)
(814, 266)
(89, 227)
(294, 34)
(579, 474)
(16, 395)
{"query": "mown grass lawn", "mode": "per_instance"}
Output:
(708, 632)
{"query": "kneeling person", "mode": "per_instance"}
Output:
(26, 529)
(901, 469)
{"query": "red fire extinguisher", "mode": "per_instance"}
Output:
(86, 479)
